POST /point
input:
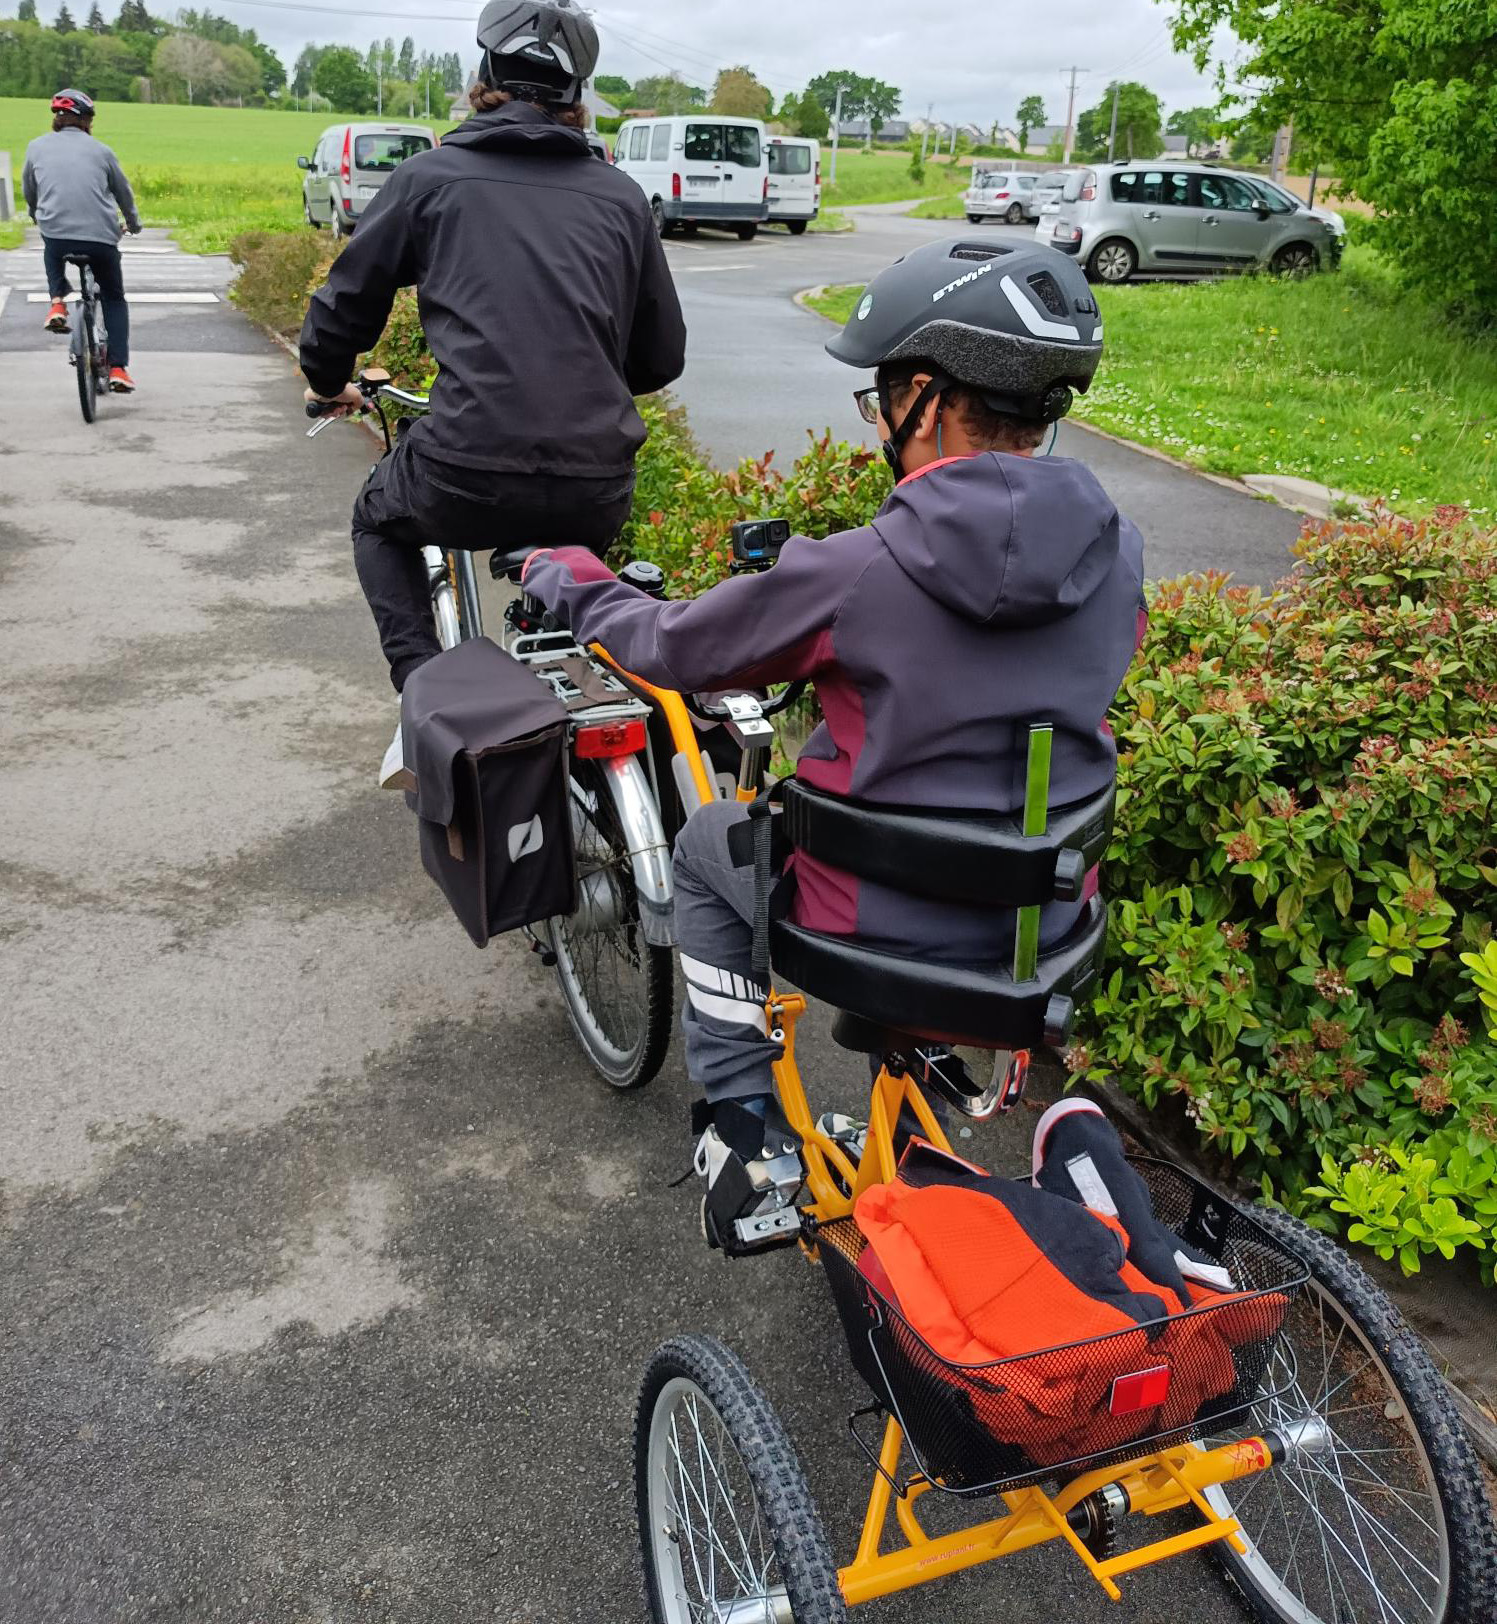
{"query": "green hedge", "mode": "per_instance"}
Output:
(1304, 871)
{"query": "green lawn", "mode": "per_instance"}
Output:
(208, 173)
(884, 177)
(1338, 378)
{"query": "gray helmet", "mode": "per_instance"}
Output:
(1018, 325)
(538, 50)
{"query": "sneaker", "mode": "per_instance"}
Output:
(749, 1157)
(120, 382)
(57, 317)
(393, 773)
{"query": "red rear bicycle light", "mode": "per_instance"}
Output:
(675, 186)
(347, 156)
(1140, 1390)
(607, 739)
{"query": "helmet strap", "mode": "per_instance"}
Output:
(893, 447)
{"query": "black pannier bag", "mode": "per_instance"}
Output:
(486, 741)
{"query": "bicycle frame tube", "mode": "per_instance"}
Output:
(465, 580)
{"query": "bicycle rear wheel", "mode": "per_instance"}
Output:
(1387, 1522)
(616, 985)
(86, 362)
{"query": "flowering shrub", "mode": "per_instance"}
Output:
(1304, 856)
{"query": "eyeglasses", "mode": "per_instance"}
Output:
(866, 400)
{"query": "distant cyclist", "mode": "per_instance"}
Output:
(76, 191)
(548, 305)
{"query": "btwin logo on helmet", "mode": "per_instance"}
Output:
(961, 282)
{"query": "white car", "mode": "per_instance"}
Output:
(1004, 194)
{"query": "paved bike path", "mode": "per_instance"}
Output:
(327, 1270)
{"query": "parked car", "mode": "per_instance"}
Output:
(1001, 193)
(1283, 201)
(794, 181)
(598, 146)
(703, 169)
(1046, 197)
(351, 163)
(1182, 219)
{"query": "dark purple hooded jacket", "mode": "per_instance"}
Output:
(989, 593)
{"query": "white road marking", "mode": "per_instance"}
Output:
(140, 298)
(4, 295)
(722, 265)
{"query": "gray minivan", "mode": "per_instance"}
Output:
(1182, 219)
(351, 163)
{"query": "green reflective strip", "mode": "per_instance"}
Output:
(1036, 821)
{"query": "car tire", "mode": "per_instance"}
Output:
(748, 231)
(657, 214)
(797, 228)
(1112, 261)
(312, 220)
(1295, 259)
(342, 229)
(1014, 214)
(974, 219)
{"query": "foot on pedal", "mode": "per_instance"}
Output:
(749, 1156)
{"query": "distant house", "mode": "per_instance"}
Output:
(1046, 135)
(1176, 146)
(857, 129)
(1003, 136)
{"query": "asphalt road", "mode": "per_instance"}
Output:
(757, 377)
(327, 1270)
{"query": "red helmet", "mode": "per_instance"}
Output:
(73, 101)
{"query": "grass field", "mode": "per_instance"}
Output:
(207, 173)
(884, 177)
(1336, 378)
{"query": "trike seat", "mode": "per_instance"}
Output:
(959, 857)
(981, 1006)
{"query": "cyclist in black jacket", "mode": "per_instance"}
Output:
(548, 305)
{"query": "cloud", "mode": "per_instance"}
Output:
(975, 62)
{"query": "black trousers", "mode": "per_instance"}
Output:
(413, 501)
(104, 262)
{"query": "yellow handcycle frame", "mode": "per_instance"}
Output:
(1165, 1481)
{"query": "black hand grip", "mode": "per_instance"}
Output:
(320, 408)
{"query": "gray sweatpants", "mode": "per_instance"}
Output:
(729, 1054)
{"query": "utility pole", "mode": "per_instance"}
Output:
(1071, 112)
(925, 133)
(836, 132)
(382, 85)
(1112, 134)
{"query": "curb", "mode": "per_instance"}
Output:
(1479, 1423)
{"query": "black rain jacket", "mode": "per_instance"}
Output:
(544, 294)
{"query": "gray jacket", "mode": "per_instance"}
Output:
(75, 189)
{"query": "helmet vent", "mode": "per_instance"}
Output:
(976, 250)
(1047, 291)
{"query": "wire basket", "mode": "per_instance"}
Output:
(977, 1429)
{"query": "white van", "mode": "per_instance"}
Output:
(794, 181)
(703, 169)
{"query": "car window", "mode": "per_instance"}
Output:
(639, 141)
(1026, 182)
(704, 142)
(660, 143)
(1225, 192)
(385, 153)
(1277, 201)
(785, 160)
(1125, 187)
(741, 146)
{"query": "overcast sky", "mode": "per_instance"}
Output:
(974, 61)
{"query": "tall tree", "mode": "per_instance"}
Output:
(96, 23)
(27, 12)
(1398, 99)
(1199, 125)
(614, 86)
(871, 99)
(668, 93)
(134, 18)
(342, 77)
(883, 104)
(1030, 116)
(190, 61)
(65, 23)
(1139, 131)
(810, 118)
(405, 63)
(740, 95)
(304, 74)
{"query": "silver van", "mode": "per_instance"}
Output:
(1182, 219)
(351, 163)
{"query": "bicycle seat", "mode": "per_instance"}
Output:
(980, 1006)
(82, 261)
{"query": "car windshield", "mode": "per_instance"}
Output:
(382, 153)
(785, 160)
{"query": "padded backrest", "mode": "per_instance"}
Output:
(961, 857)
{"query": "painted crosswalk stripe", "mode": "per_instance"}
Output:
(140, 298)
(4, 295)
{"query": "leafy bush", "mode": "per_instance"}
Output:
(278, 271)
(1305, 869)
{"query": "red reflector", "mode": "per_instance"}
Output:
(609, 739)
(1088, 194)
(766, 186)
(347, 156)
(675, 186)
(1141, 1390)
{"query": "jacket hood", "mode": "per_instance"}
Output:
(1003, 540)
(518, 127)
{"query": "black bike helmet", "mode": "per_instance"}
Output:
(538, 50)
(1018, 326)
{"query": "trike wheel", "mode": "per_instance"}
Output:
(728, 1528)
(1388, 1519)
